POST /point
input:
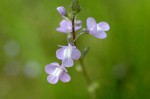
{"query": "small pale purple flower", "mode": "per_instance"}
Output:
(56, 72)
(97, 30)
(66, 26)
(67, 54)
(61, 10)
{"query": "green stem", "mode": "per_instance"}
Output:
(85, 72)
(87, 78)
(80, 60)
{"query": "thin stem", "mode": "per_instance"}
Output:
(85, 72)
(87, 78)
(73, 29)
(80, 60)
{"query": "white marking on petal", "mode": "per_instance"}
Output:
(92, 27)
(68, 52)
(98, 28)
(57, 72)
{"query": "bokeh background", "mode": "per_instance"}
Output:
(28, 41)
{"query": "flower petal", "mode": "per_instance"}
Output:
(60, 53)
(55, 63)
(77, 27)
(93, 30)
(65, 26)
(65, 77)
(50, 68)
(104, 26)
(78, 22)
(76, 54)
(52, 79)
(68, 62)
(100, 34)
(64, 23)
(90, 23)
(61, 29)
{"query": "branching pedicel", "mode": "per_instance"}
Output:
(72, 27)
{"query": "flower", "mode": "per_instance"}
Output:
(56, 72)
(66, 26)
(97, 30)
(62, 11)
(67, 54)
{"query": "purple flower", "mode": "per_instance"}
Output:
(61, 10)
(56, 72)
(67, 54)
(66, 26)
(97, 30)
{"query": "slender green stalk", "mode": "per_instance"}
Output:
(88, 80)
(80, 60)
(91, 86)
(84, 72)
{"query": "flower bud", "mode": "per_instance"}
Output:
(62, 11)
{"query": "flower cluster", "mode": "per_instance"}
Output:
(69, 53)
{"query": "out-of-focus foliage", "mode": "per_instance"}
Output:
(28, 41)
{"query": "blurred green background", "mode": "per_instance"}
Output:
(28, 41)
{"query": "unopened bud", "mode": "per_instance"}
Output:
(75, 7)
(62, 11)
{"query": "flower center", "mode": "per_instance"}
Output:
(98, 28)
(68, 52)
(57, 72)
